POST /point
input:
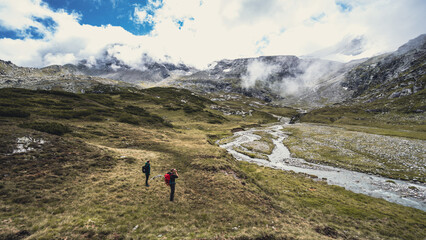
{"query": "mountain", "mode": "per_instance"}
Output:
(302, 82)
(312, 83)
(283, 79)
(51, 78)
(253, 77)
(346, 47)
(148, 71)
(391, 75)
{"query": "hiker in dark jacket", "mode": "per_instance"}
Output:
(173, 176)
(147, 172)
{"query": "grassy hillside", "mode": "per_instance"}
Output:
(383, 137)
(404, 116)
(71, 169)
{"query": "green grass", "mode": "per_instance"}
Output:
(356, 150)
(88, 184)
(393, 117)
(251, 153)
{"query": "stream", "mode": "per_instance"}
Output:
(392, 190)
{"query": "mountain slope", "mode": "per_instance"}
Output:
(285, 79)
(148, 73)
(311, 83)
(52, 77)
(393, 75)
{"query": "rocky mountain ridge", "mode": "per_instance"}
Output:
(284, 79)
(289, 80)
(391, 75)
(311, 83)
(150, 71)
(53, 77)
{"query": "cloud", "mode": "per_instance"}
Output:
(114, 3)
(145, 14)
(200, 32)
(310, 73)
(300, 75)
(59, 58)
(257, 70)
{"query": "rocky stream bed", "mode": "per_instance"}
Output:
(401, 192)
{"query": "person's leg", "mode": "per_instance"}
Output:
(146, 181)
(172, 191)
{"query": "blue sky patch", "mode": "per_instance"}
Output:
(48, 22)
(98, 13)
(318, 17)
(180, 24)
(262, 44)
(30, 32)
(6, 33)
(33, 33)
(344, 6)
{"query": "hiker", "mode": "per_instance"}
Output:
(172, 183)
(147, 170)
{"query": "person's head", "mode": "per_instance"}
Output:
(148, 161)
(173, 170)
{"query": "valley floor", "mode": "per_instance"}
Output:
(250, 145)
(77, 175)
(357, 149)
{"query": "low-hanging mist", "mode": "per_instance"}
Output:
(289, 79)
(257, 70)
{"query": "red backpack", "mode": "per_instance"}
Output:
(167, 178)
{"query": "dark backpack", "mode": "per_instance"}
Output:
(144, 169)
(167, 178)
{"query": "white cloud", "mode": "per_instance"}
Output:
(310, 75)
(145, 14)
(257, 71)
(59, 58)
(214, 30)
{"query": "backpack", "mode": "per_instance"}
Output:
(144, 169)
(167, 178)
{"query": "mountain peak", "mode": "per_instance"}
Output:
(416, 44)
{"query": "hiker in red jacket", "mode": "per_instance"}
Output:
(172, 183)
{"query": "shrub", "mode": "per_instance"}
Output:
(144, 117)
(70, 114)
(214, 121)
(13, 112)
(188, 109)
(59, 93)
(136, 111)
(101, 99)
(48, 127)
(171, 107)
(128, 118)
(96, 118)
(131, 96)
(167, 124)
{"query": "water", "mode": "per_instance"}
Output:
(392, 190)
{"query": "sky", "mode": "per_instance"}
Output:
(38, 33)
